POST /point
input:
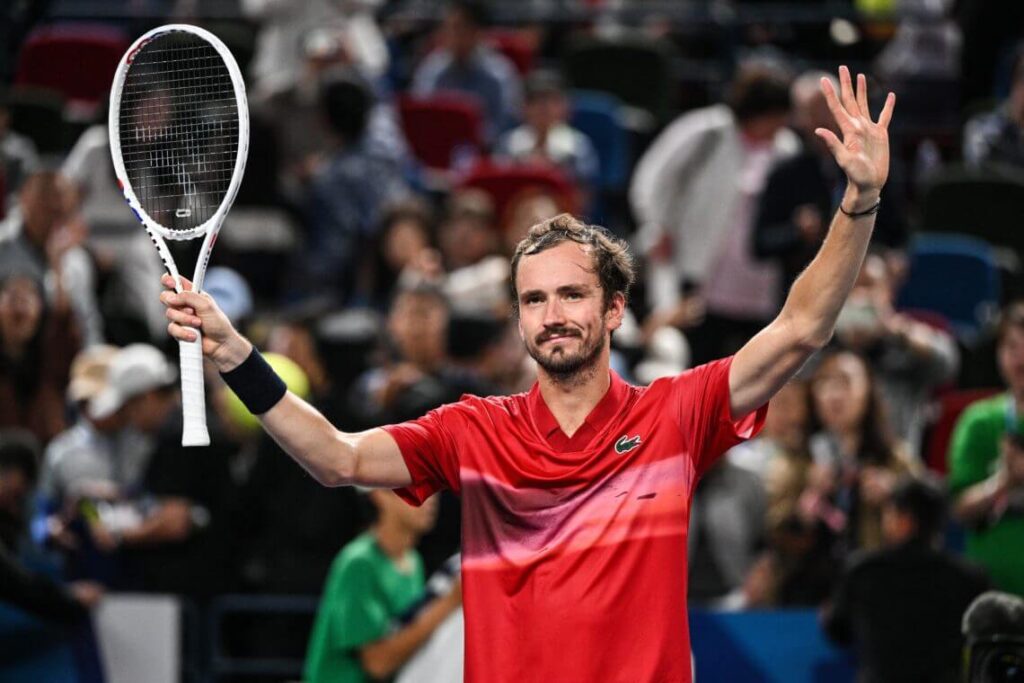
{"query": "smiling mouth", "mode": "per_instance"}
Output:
(558, 338)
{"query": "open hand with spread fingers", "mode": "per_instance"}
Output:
(863, 151)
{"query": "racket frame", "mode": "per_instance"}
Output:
(194, 431)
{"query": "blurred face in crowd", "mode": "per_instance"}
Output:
(418, 325)
(544, 111)
(525, 212)
(149, 411)
(1010, 354)
(562, 316)
(762, 129)
(21, 311)
(297, 343)
(810, 111)
(859, 324)
(459, 34)
(404, 241)
(787, 416)
(47, 200)
(466, 240)
(841, 390)
(393, 509)
(897, 526)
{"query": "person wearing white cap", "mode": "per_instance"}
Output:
(137, 374)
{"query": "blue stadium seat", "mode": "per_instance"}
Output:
(957, 276)
(598, 116)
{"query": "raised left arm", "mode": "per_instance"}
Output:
(808, 317)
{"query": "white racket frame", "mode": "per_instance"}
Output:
(193, 399)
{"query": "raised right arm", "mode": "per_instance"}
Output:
(334, 458)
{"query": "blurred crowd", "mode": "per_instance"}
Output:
(373, 271)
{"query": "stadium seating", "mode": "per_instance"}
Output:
(441, 128)
(950, 405)
(505, 182)
(967, 299)
(516, 47)
(38, 114)
(987, 203)
(598, 116)
(76, 60)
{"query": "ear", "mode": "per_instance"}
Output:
(616, 310)
(519, 326)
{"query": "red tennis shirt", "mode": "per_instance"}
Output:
(574, 549)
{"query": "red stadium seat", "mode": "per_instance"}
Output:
(505, 182)
(76, 60)
(951, 404)
(516, 47)
(441, 127)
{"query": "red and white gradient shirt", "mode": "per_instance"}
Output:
(574, 549)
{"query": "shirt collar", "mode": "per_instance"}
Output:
(605, 409)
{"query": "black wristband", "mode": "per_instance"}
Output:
(860, 214)
(255, 383)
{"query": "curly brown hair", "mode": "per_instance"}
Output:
(613, 263)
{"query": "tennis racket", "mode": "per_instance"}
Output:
(179, 138)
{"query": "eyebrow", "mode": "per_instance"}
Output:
(580, 288)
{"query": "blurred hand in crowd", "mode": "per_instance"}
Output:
(810, 222)
(87, 593)
(876, 484)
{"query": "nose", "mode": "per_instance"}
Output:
(554, 315)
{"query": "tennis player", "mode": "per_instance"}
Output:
(576, 495)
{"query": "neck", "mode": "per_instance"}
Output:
(394, 539)
(571, 399)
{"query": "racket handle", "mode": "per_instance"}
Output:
(193, 398)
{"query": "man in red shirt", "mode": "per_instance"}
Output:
(576, 495)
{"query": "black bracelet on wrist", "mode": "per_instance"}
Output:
(255, 383)
(859, 214)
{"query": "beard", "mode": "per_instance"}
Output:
(562, 365)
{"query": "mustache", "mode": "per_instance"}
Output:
(556, 332)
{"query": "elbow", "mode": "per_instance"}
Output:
(340, 469)
(377, 664)
(810, 336)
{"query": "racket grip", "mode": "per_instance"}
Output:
(193, 398)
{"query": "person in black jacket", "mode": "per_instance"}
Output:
(901, 606)
(802, 192)
(34, 593)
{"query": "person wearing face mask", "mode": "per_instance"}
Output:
(986, 464)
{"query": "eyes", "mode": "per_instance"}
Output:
(570, 295)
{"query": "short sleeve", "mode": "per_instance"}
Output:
(358, 616)
(429, 452)
(700, 402)
(972, 449)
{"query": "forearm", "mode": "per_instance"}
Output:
(977, 501)
(818, 294)
(385, 657)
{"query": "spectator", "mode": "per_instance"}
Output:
(38, 342)
(909, 358)
(901, 606)
(465, 64)
(856, 458)
(43, 237)
(477, 280)
(997, 136)
(18, 156)
(546, 136)
(986, 465)
(347, 195)
(804, 190)
(374, 579)
(694, 194)
(34, 593)
(726, 534)
(404, 251)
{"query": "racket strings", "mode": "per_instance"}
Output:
(179, 129)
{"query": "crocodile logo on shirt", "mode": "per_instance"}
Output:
(626, 444)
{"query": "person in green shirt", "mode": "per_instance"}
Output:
(376, 578)
(986, 465)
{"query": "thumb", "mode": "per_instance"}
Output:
(834, 145)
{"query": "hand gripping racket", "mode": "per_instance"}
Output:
(179, 137)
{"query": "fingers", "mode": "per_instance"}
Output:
(182, 333)
(862, 96)
(184, 317)
(832, 99)
(834, 145)
(886, 116)
(846, 95)
(168, 282)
